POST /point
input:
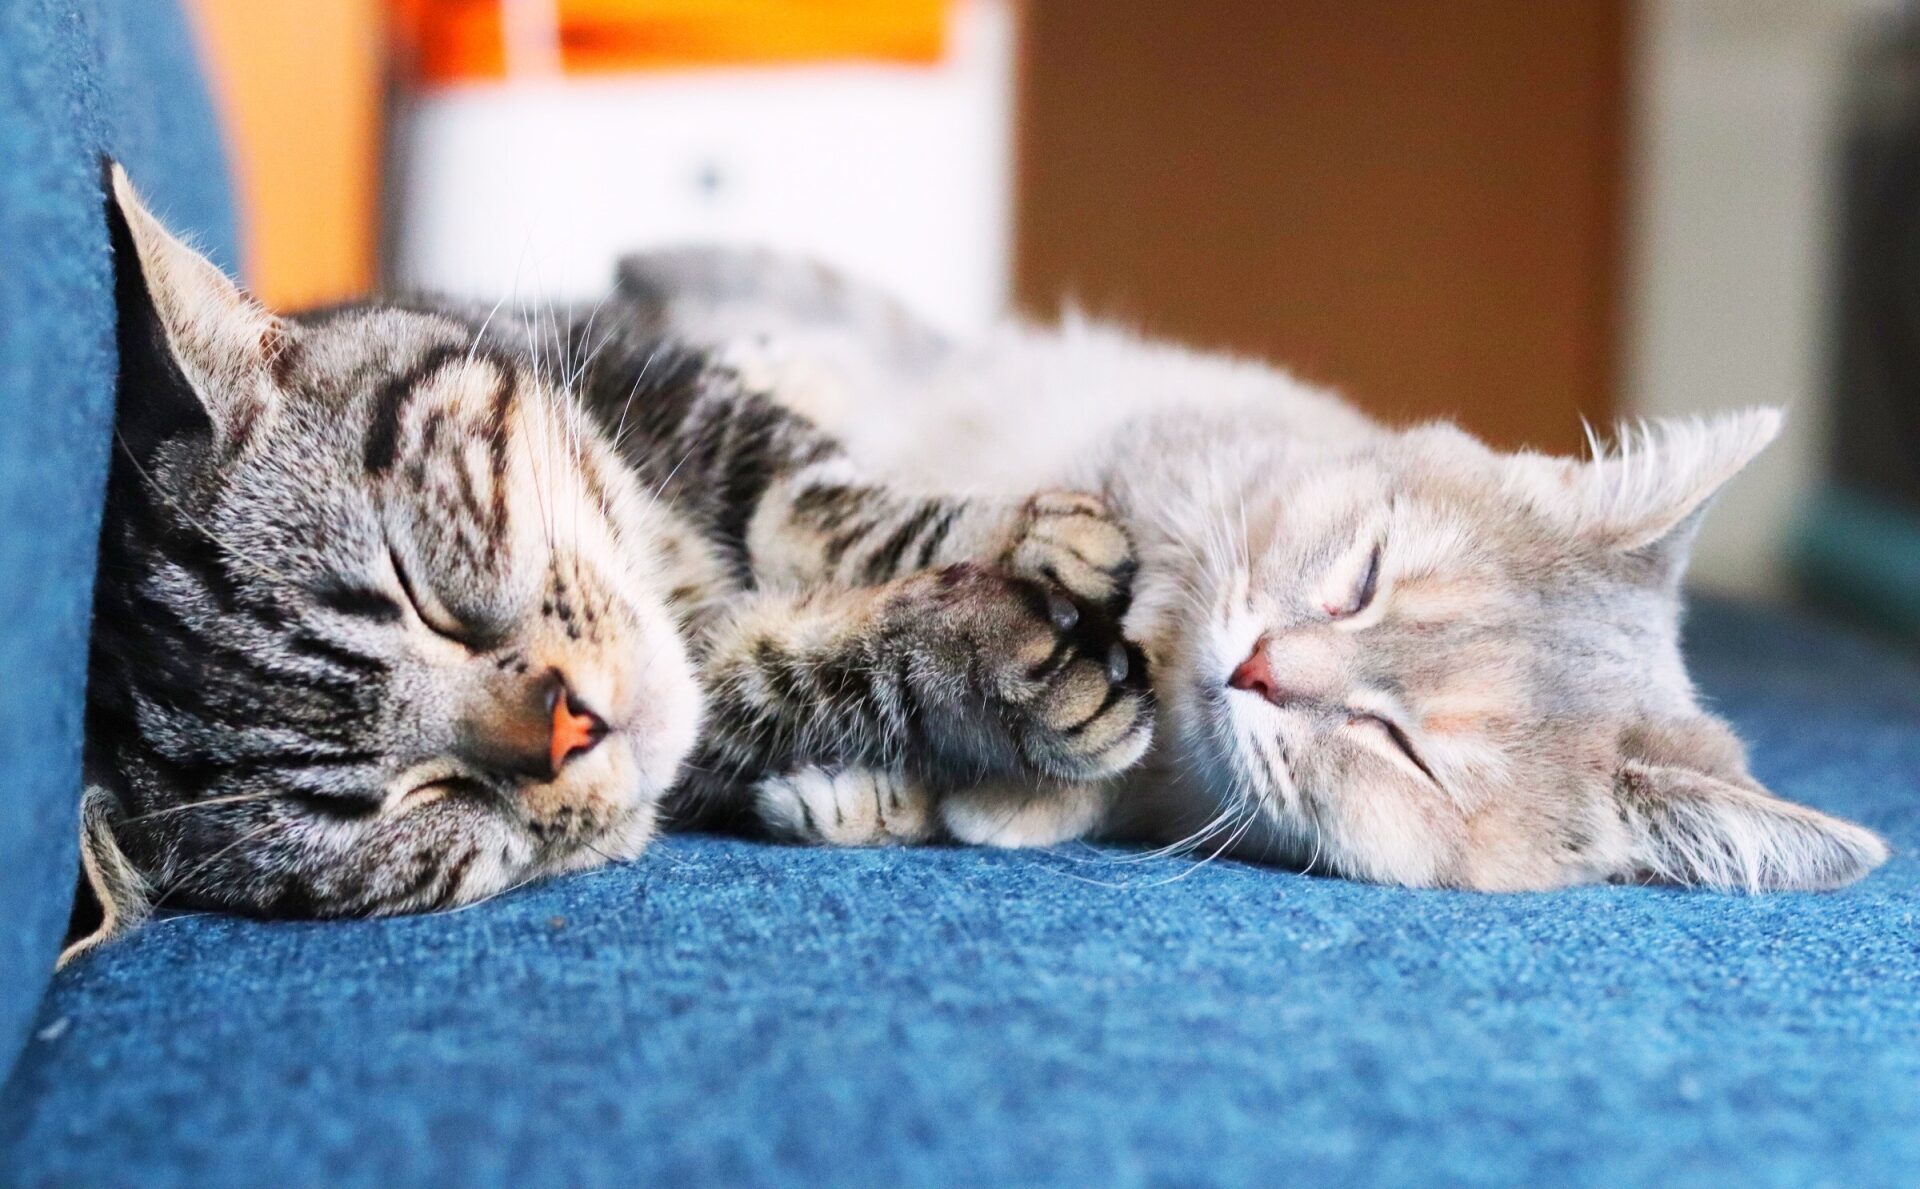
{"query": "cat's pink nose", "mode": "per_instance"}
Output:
(1254, 675)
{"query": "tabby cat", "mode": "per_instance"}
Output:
(401, 605)
(1397, 656)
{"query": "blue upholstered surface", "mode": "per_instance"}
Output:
(76, 80)
(729, 1013)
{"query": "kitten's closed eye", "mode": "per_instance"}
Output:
(361, 602)
(431, 613)
(1397, 737)
(1364, 591)
(438, 625)
(378, 606)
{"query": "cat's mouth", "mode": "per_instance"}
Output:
(620, 838)
(1251, 766)
(1249, 754)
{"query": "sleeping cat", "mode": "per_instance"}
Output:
(1396, 656)
(400, 606)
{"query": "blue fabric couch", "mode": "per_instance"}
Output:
(728, 1013)
(78, 79)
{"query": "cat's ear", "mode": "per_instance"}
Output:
(1693, 816)
(113, 898)
(195, 349)
(1647, 494)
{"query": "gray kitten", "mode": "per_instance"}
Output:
(399, 607)
(1396, 656)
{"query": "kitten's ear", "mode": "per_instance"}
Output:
(113, 898)
(1694, 817)
(1648, 493)
(194, 347)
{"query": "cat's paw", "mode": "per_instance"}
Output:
(845, 807)
(1071, 540)
(1068, 693)
(1023, 816)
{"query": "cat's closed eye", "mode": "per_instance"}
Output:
(360, 602)
(1367, 588)
(436, 620)
(1396, 737)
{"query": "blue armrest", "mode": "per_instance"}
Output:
(78, 79)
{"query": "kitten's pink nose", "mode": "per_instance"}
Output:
(1255, 675)
(575, 728)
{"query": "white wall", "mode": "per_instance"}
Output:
(1737, 103)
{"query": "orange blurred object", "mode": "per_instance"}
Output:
(299, 93)
(451, 41)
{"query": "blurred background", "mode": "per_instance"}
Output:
(1512, 213)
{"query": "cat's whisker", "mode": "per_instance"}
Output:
(226, 550)
(620, 430)
(480, 335)
(659, 491)
(1245, 820)
(543, 471)
(550, 369)
(534, 470)
(202, 804)
(525, 439)
(531, 878)
(1313, 860)
(569, 377)
(593, 349)
(589, 846)
(1179, 846)
(180, 882)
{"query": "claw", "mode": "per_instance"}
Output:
(1061, 611)
(1117, 663)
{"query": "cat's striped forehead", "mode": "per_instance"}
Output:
(421, 419)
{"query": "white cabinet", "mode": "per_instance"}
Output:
(531, 187)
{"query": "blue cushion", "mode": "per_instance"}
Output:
(728, 1013)
(76, 80)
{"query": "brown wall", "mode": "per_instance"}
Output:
(1416, 201)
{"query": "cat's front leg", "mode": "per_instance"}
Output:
(838, 806)
(833, 806)
(1070, 539)
(828, 523)
(961, 674)
(1025, 813)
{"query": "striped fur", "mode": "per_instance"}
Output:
(353, 560)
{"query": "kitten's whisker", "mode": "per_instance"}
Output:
(594, 350)
(1168, 850)
(548, 367)
(226, 550)
(203, 803)
(1245, 821)
(525, 439)
(533, 877)
(485, 323)
(659, 491)
(620, 430)
(180, 882)
(543, 470)
(1314, 859)
(571, 425)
